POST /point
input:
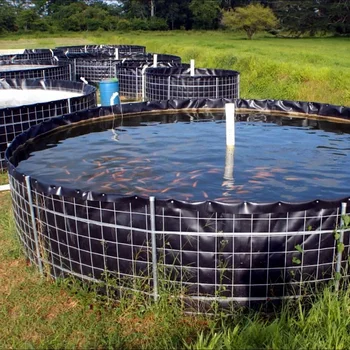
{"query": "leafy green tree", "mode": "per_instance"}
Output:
(27, 19)
(7, 17)
(205, 13)
(252, 19)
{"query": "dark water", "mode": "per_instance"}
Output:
(183, 156)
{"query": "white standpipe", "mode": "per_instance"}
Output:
(229, 164)
(155, 60)
(116, 53)
(192, 64)
(230, 124)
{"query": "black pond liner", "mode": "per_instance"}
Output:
(95, 67)
(129, 72)
(33, 69)
(16, 119)
(177, 83)
(32, 54)
(104, 49)
(211, 253)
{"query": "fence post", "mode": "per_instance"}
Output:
(32, 215)
(69, 105)
(143, 76)
(340, 241)
(154, 246)
(169, 84)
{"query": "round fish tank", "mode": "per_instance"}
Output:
(132, 73)
(95, 67)
(181, 83)
(26, 102)
(110, 50)
(153, 197)
(35, 69)
(31, 54)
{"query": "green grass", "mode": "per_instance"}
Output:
(308, 69)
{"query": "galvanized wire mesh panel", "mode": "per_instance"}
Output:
(49, 70)
(15, 120)
(106, 49)
(177, 83)
(95, 70)
(209, 256)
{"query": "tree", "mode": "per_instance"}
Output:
(252, 19)
(7, 17)
(206, 13)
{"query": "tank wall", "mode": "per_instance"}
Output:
(59, 72)
(15, 120)
(179, 86)
(209, 255)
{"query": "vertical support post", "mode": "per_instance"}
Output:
(32, 215)
(169, 83)
(70, 72)
(154, 246)
(69, 106)
(340, 241)
(192, 66)
(116, 53)
(75, 69)
(155, 60)
(217, 87)
(143, 77)
(230, 124)
(238, 85)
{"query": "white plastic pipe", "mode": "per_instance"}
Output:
(192, 65)
(230, 124)
(113, 97)
(229, 163)
(116, 53)
(84, 80)
(155, 60)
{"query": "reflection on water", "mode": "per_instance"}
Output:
(184, 156)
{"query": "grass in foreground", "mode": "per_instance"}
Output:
(38, 313)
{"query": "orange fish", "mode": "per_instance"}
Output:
(205, 194)
(195, 184)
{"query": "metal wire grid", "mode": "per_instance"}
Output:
(14, 121)
(59, 72)
(130, 82)
(94, 70)
(128, 246)
(44, 55)
(165, 87)
(110, 49)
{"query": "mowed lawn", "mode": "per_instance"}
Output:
(307, 69)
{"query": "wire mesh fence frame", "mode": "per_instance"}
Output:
(90, 240)
(59, 71)
(165, 84)
(15, 120)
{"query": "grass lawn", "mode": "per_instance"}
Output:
(309, 69)
(39, 313)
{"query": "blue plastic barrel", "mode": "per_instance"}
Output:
(109, 92)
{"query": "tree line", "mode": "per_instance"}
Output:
(294, 17)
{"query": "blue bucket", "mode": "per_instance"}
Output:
(109, 92)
